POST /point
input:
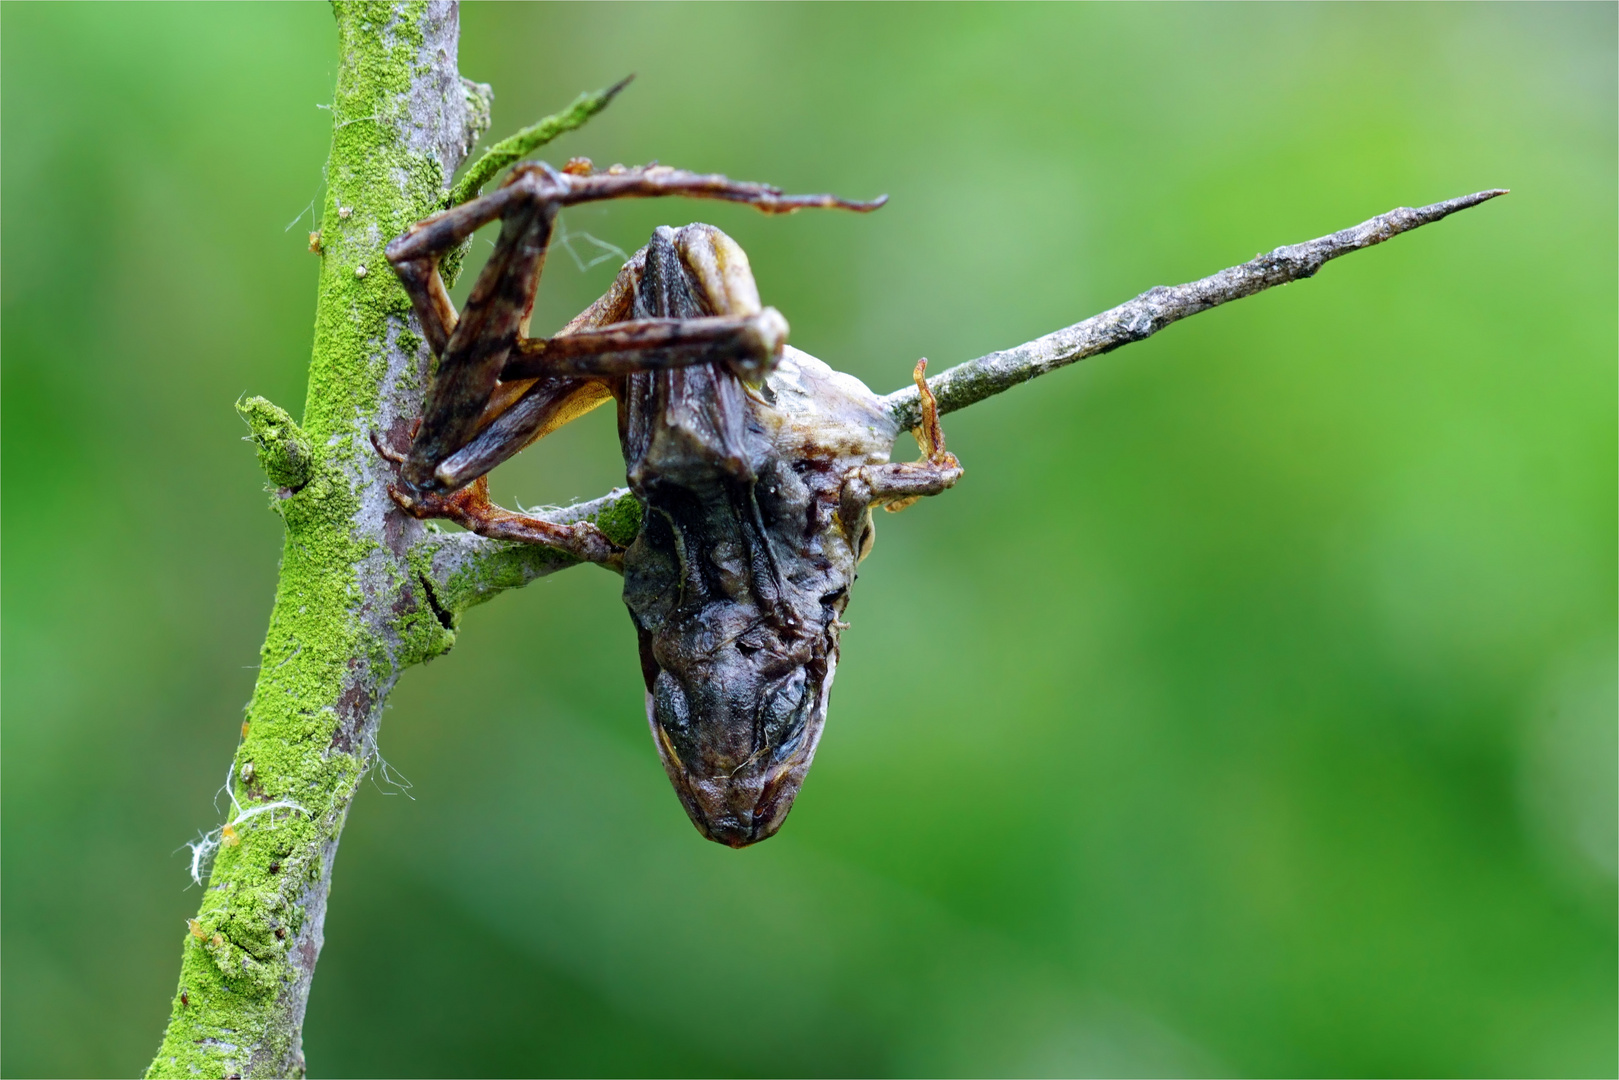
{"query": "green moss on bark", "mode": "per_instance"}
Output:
(356, 602)
(349, 614)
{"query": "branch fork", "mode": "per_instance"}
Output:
(972, 382)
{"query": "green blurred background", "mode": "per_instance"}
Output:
(1249, 708)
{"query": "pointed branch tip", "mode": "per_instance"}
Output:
(966, 384)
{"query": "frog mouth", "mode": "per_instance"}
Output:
(749, 802)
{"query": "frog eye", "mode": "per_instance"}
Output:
(669, 702)
(868, 537)
(783, 713)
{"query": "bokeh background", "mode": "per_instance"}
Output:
(1249, 709)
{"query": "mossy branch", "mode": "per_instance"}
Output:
(365, 591)
(350, 611)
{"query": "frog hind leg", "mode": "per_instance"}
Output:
(470, 508)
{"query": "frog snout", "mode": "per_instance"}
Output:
(736, 788)
(726, 809)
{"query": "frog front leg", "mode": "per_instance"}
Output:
(897, 484)
(496, 390)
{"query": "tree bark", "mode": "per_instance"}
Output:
(352, 609)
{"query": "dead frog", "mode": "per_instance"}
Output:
(757, 465)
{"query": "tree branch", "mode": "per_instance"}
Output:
(466, 570)
(350, 612)
(965, 384)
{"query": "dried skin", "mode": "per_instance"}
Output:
(742, 570)
(756, 466)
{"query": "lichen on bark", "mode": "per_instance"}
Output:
(350, 612)
(364, 590)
